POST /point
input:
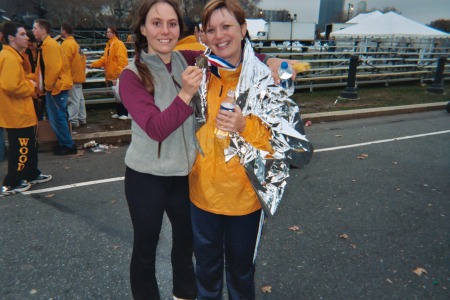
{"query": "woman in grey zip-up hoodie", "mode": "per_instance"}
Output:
(157, 90)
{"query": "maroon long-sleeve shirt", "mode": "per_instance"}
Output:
(142, 108)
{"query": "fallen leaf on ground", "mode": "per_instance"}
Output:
(397, 189)
(266, 289)
(419, 271)
(363, 156)
(66, 168)
(394, 162)
(388, 280)
(294, 228)
(116, 247)
(344, 236)
(33, 291)
(353, 246)
(49, 196)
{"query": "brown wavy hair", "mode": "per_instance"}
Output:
(141, 41)
(114, 30)
(232, 6)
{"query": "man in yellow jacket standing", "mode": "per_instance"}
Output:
(77, 60)
(53, 75)
(114, 60)
(17, 114)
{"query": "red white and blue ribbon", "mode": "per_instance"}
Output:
(220, 62)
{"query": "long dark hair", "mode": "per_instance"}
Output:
(141, 41)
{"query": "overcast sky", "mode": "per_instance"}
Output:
(422, 11)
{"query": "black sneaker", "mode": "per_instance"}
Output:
(7, 190)
(57, 148)
(40, 179)
(61, 150)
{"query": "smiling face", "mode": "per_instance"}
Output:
(162, 30)
(224, 35)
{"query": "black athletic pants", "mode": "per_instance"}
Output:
(22, 156)
(148, 197)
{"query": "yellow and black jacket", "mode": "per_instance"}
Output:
(57, 75)
(76, 59)
(114, 60)
(217, 186)
(16, 104)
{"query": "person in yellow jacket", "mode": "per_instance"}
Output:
(2, 136)
(30, 56)
(17, 114)
(76, 107)
(114, 60)
(53, 75)
(192, 42)
(225, 210)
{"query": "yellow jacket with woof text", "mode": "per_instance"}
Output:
(114, 59)
(16, 104)
(57, 75)
(217, 186)
(76, 59)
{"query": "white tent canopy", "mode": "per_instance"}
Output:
(389, 25)
(364, 17)
(254, 26)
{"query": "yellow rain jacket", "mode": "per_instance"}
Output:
(189, 43)
(57, 70)
(217, 186)
(114, 59)
(76, 59)
(16, 104)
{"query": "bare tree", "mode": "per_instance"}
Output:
(192, 9)
(441, 24)
(102, 13)
(386, 9)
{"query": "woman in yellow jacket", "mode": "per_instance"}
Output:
(114, 60)
(225, 209)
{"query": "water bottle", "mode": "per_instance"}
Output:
(285, 72)
(228, 103)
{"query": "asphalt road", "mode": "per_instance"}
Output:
(364, 224)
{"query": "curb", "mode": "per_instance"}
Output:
(119, 136)
(372, 112)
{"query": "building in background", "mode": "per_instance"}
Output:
(331, 11)
(361, 7)
(321, 12)
(307, 11)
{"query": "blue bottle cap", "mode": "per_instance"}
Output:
(284, 65)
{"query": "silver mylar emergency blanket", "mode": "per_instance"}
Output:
(257, 94)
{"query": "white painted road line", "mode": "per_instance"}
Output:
(382, 141)
(69, 186)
